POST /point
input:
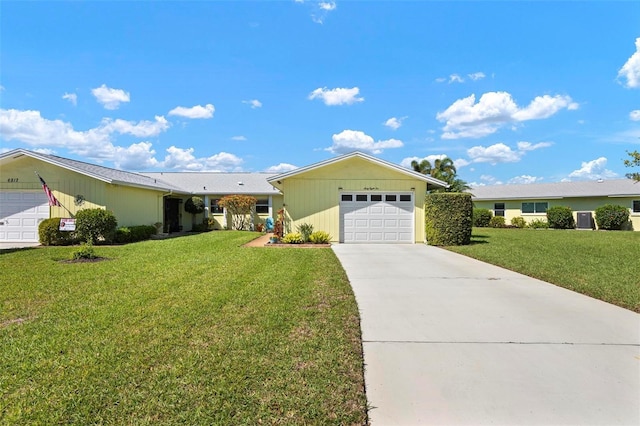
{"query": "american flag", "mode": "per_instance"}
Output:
(53, 201)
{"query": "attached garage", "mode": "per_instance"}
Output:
(20, 215)
(357, 198)
(376, 217)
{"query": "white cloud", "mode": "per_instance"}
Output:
(524, 179)
(281, 168)
(528, 146)
(460, 162)
(337, 96)
(501, 153)
(110, 98)
(183, 160)
(498, 153)
(467, 119)
(630, 71)
(394, 122)
(197, 111)
(142, 129)
(594, 169)
(238, 138)
(635, 115)
(355, 140)
(455, 78)
(321, 10)
(327, 5)
(138, 156)
(254, 103)
(71, 97)
(30, 128)
(476, 76)
(406, 162)
(441, 80)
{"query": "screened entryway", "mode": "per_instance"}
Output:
(376, 217)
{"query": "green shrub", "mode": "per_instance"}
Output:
(519, 222)
(305, 229)
(85, 251)
(538, 223)
(123, 235)
(93, 225)
(497, 222)
(320, 237)
(134, 233)
(49, 233)
(481, 217)
(448, 218)
(560, 217)
(612, 217)
(293, 238)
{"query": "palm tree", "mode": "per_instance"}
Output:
(423, 167)
(443, 169)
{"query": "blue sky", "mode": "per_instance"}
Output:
(513, 92)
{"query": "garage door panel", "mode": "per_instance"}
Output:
(20, 215)
(384, 221)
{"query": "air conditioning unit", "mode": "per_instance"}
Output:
(585, 221)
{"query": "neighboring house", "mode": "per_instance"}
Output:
(354, 197)
(531, 201)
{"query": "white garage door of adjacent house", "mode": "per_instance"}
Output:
(376, 217)
(20, 215)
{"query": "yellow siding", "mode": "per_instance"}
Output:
(314, 197)
(513, 208)
(131, 206)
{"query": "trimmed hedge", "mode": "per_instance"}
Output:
(482, 217)
(96, 225)
(497, 222)
(132, 234)
(612, 217)
(49, 233)
(560, 217)
(448, 218)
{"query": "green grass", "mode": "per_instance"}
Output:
(604, 265)
(192, 330)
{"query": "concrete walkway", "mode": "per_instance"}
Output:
(449, 340)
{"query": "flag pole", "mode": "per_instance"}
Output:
(53, 201)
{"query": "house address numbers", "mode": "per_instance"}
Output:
(12, 180)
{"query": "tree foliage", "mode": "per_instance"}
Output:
(448, 219)
(194, 205)
(443, 169)
(633, 162)
(241, 207)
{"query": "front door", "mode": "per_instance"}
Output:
(171, 214)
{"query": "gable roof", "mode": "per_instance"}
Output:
(218, 183)
(357, 154)
(104, 174)
(592, 188)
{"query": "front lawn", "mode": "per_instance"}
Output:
(192, 330)
(601, 264)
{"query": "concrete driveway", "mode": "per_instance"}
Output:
(449, 340)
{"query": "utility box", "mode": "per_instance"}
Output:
(585, 221)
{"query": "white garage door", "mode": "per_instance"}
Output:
(376, 217)
(20, 214)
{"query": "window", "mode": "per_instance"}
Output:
(498, 209)
(347, 197)
(390, 197)
(361, 197)
(405, 197)
(262, 205)
(215, 208)
(376, 197)
(636, 206)
(534, 207)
